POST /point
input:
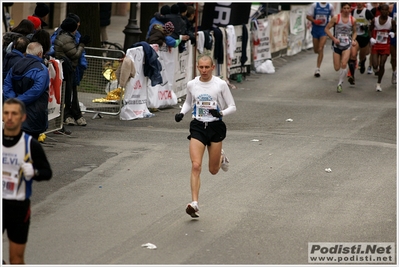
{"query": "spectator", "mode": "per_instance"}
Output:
(190, 21)
(178, 22)
(24, 28)
(17, 188)
(43, 38)
(82, 65)
(18, 52)
(105, 19)
(70, 52)
(41, 11)
(159, 32)
(164, 11)
(36, 22)
(28, 80)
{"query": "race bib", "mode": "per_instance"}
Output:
(343, 39)
(203, 108)
(382, 37)
(10, 184)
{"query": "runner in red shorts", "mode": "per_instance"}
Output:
(381, 35)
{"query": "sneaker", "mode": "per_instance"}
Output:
(339, 88)
(70, 121)
(317, 73)
(351, 80)
(192, 209)
(369, 70)
(393, 80)
(362, 66)
(378, 88)
(81, 121)
(225, 162)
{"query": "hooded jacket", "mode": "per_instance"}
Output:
(9, 60)
(65, 46)
(28, 80)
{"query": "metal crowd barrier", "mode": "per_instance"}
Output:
(99, 90)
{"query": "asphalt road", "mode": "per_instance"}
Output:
(120, 184)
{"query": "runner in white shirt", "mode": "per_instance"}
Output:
(24, 161)
(343, 39)
(211, 99)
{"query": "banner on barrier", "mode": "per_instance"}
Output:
(297, 30)
(55, 89)
(162, 95)
(241, 60)
(135, 98)
(279, 30)
(260, 41)
(181, 72)
(221, 14)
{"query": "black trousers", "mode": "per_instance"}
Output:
(71, 108)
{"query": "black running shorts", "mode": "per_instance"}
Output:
(363, 41)
(16, 220)
(207, 132)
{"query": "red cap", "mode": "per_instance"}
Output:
(36, 21)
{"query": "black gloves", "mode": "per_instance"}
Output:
(85, 40)
(179, 117)
(215, 113)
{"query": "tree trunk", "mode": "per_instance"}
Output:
(89, 15)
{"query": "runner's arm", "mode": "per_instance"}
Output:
(40, 163)
(229, 100)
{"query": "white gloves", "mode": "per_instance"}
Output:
(392, 34)
(27, 169)
(373, 41)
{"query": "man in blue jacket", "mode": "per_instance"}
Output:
(28, 80)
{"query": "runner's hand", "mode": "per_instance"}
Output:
(373, 41)
(27, 169)
(317, 21)
(215, 113)
(392, 34)
(179, 117)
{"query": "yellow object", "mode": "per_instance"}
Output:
(112, 95)
(41, 138)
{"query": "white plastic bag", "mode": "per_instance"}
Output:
(266, 67)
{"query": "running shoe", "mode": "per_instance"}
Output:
(225, 162)
(351, 80)
(70, 121)
(192, 209)
(362, 66)
(378, 88)
(81, 121)
(339, 88)
(369, 70)
(393, 77)
(317, 73)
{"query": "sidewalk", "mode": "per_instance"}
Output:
(115, 29)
